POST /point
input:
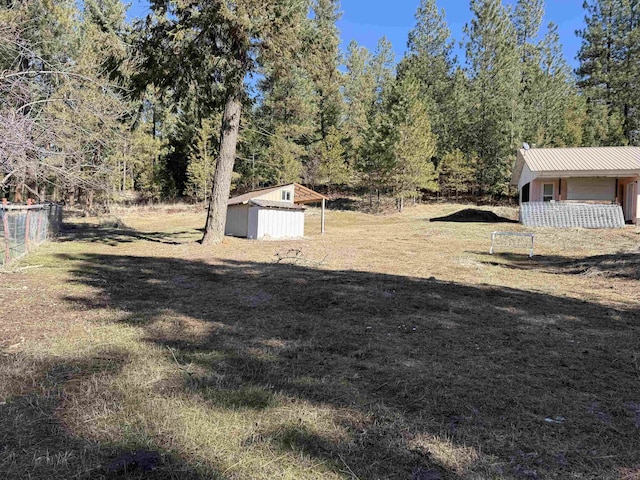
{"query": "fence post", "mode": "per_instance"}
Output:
(7, 249)
(58, 218)
(39, 231)
(27, 232)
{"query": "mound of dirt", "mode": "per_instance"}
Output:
(473, 215)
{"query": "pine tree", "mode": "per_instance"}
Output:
(627, 84)
(216, 45)
(461, 133)
(492, 57)
(374, 159)
(608, 71)
(551, 118)
(323, 62)
(283, 158)
(365, 81)
(414, 145)
(527, 19)
(429, 60)
(202, 160)
(399, 147)
(105, 40)
(359, 96)
(334, 168)
(285, 119)
(456, 173)
(108, 19)
(150, 177)
(382, 69)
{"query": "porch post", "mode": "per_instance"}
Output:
(322, 218)
(637, 199)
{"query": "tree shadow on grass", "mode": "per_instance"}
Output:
(35, 443)
(615, 265)
(115, 235)
(536, 383)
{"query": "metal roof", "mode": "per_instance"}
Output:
(301, 195)
(274, 204)
(253, 194)
(590, 161)
(304, 195)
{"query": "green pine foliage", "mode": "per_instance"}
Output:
(202, 160)
(495, 107)
(456, 173)
(609, 72)
(359, 96)
(334, 169)
(413, 145)
(399, 148)
(104, 111)
(323, 62)
(283, 159)
(430, 61)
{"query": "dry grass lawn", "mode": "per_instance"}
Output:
(389, 348)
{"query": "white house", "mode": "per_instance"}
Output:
(274, 212)
(589, 176)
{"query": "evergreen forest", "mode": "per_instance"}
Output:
(201, 98)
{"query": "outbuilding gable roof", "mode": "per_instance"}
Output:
(302, 195)
(589, 161)
(244, 198)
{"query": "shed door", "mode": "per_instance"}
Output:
(237, 218)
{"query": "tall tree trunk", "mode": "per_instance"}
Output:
(89, 203)
(217, 215)
(19, 192)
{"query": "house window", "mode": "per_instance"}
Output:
(286, 195)
(547, 192)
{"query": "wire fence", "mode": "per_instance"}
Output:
(571, 215)
(24, 227)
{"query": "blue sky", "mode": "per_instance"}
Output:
(365, 21)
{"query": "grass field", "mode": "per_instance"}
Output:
(391, 347)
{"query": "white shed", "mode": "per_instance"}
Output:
(274, 212)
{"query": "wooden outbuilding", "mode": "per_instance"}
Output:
(273, 212)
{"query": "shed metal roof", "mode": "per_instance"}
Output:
(589, 161)
(302, 195)
(273, 204)
(253, 194)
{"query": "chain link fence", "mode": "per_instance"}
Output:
(24, 227)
